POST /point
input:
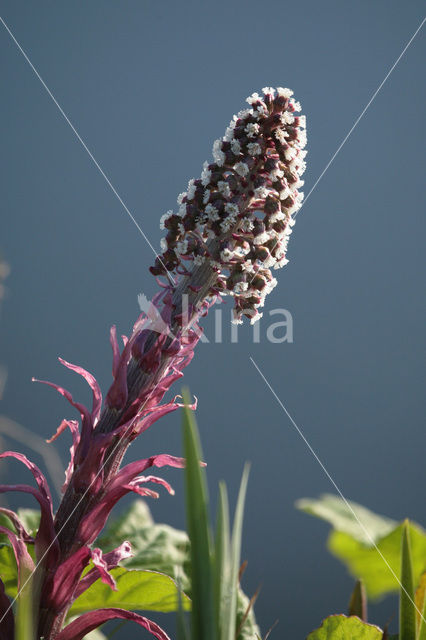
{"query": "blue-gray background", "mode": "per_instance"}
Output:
(149, 86)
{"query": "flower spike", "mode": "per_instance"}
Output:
(256, 169)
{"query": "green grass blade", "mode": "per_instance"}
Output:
(421, 606)
(407, 610)
(222, 554)
(203, 614)
(358, 602)
(230, 599)
(181, 627)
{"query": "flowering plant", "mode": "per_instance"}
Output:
(232, 227)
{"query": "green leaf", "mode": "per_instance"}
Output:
(136, 590)
(157, 547)
(358, 602)
(420, 600)
(340, 627)
(379, 569)
(407, 610)
(30, 519)
(249, 630)
(230, 610)
(341, 516)
(222, 553)
(8, 570)
(203, 614)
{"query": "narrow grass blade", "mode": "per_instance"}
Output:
(407, 610)
(358, 602)
(230, 610)
(421, 606)
(222, 555)
(203, 614)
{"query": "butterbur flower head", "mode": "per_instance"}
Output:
(238, 216)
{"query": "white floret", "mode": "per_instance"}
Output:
(241, 168)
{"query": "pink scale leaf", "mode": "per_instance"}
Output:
(75, 433)
(93, 384)
(111, 559)
(21, 532)
(80, 627)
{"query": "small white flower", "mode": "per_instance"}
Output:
(244, 113)
(252, 129)
(212, 212)
(164, 217)
(227, 224)
(290, 153)
(247, 266)
(224, 188)
(269, 262)
(205, 175)
(198, 260)
(276, 174)
(261, 238)
(206, 196)
(261, 110)
(281, 263)
(281, 135)
(302, 138)
(285, 193)
(296, 105)
(269, 90)
(302, 122)
(191, 189)
(182, 210)
(261, 193)
(181, 197)
(218, 155)
(253, 98)
(283, 92)
(277, 215)
(287, 118)
(255, 318)
(271, 285)
(239, 287)
(163, 244)
(246, 225)
(240, 252)
(241, 168)
(232, 208)
(236, 147)
(254, 148)
(226, 255)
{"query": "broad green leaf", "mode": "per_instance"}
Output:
(407, 610)
(250, 630)
(420, 600)
(8, 570)
(136, 590)
(379, 570)
(157, 547)
(340, 627)
(346, 518)
(30, 519)
(203, 614)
